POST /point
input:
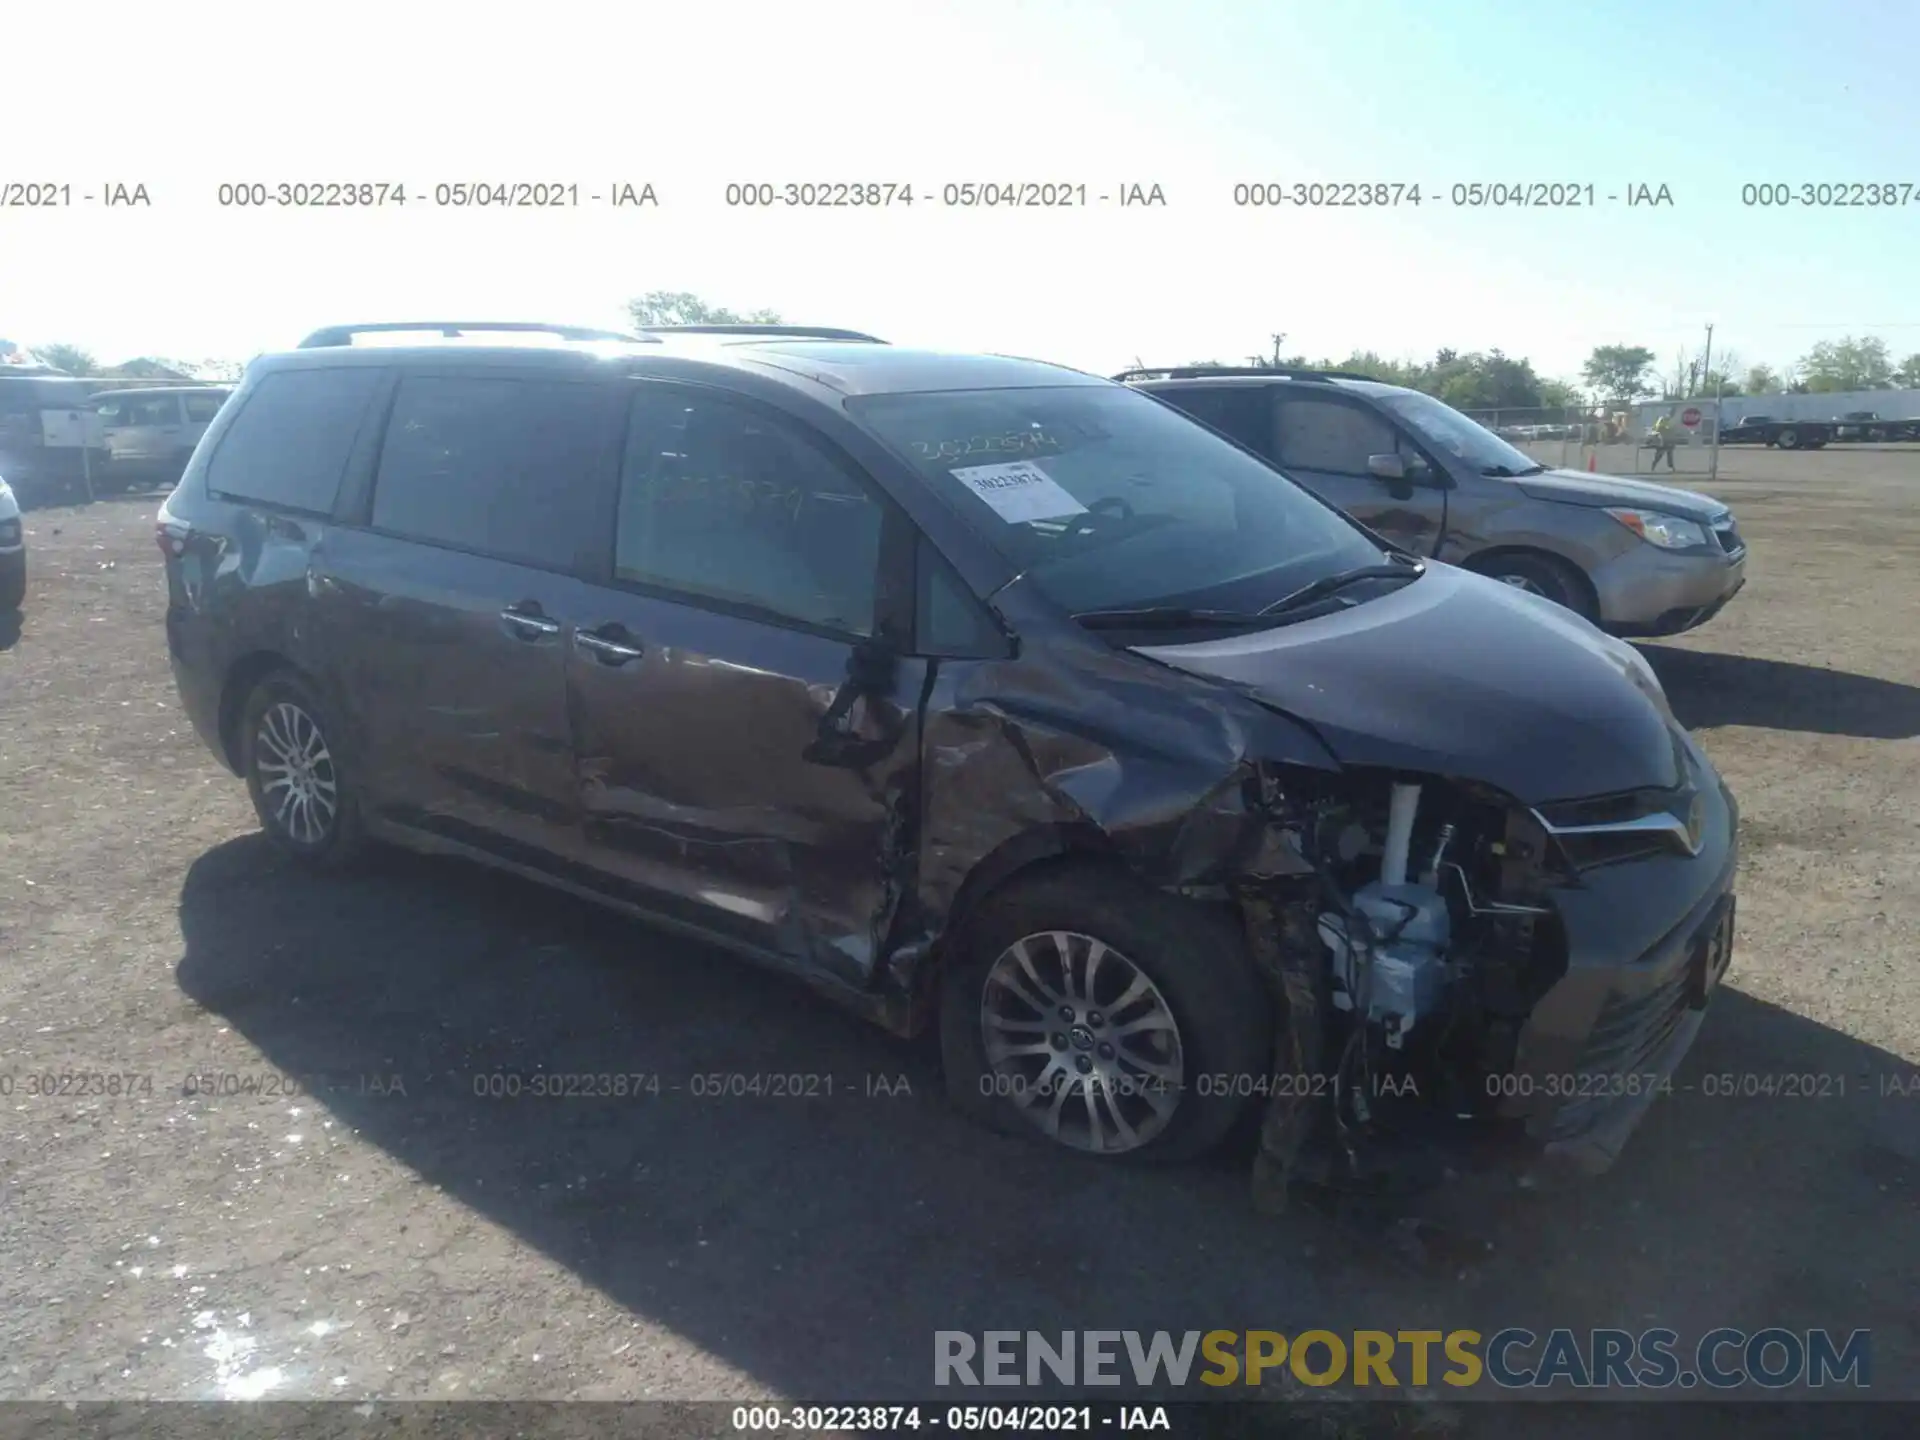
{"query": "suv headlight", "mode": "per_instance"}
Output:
(1669, 532)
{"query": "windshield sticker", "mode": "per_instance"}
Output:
(1019, 491)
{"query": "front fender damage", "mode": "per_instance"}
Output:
(1102, 756)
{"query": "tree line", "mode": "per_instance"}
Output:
(1616, 374)
(1475, 380)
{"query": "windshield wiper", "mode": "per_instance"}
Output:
(1164, 617)
(1501, 472)
(1321, 589)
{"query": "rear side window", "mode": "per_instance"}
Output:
(289, 444)
(154, 410)
(1243, 413)
(516, 469)
(202, 408)
(1330, 436)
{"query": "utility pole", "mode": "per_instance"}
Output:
(1706, 364)
(1713, 463)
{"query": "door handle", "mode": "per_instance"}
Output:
(611, 646)
(525, 622)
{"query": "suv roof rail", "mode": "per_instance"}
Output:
(337, 335)
(784, 332)
(1196, 372)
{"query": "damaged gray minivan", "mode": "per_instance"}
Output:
(986, 696)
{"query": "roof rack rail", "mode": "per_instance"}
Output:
(786, 332)
(338, 335)
(1196, 372)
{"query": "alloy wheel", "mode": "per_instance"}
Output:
(296, 771)
(1082, 1042)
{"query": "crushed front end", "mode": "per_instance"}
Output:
(1460, 972)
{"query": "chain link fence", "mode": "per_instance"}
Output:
(1618, 440)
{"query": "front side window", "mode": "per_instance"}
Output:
(502, 467)
(1106, 498)
(1451, 433)
(290, 442)
(1331, 437)
(721, 501)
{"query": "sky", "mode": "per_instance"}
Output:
(1193, 97)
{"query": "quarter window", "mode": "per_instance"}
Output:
(290, 442)
(722, 502)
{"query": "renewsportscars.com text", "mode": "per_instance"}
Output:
(1774, 1358)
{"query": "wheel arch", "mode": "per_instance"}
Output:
(243, 676)
(1481, 562)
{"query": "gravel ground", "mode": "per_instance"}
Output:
(348, 1216)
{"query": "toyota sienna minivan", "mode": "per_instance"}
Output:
(986, 696)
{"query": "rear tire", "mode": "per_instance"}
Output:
(1788, 440)
(1169, 1010)
(1543, 575)
(301, 791)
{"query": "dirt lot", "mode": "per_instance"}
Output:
(389, 1231)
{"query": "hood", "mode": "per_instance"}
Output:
(1581, 487)
(1458, 675)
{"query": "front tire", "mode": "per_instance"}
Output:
(1083, 1008)
(302, 793)
(1788, 440)
(13, 582)
(1545, 576)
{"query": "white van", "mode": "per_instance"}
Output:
(145, 436)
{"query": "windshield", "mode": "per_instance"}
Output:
(1107, 498)
(1444, 427)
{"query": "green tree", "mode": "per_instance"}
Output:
(1489, 381)
(1410, 373)
(70, 358)
(1847, 364)
(1619, 372)
(1761, 380)
(683, 307)
(1908, 375)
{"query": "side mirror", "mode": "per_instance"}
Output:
(1387, 467)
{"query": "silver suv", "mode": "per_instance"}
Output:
(1635, 558)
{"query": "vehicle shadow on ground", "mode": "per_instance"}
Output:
(817, 1243)
(1709, 689)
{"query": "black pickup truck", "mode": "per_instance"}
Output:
(1869, 426)
(1786, 434)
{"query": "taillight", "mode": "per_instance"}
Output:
(172, 537)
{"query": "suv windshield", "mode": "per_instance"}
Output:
(1106, 498)
(1447, 429)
